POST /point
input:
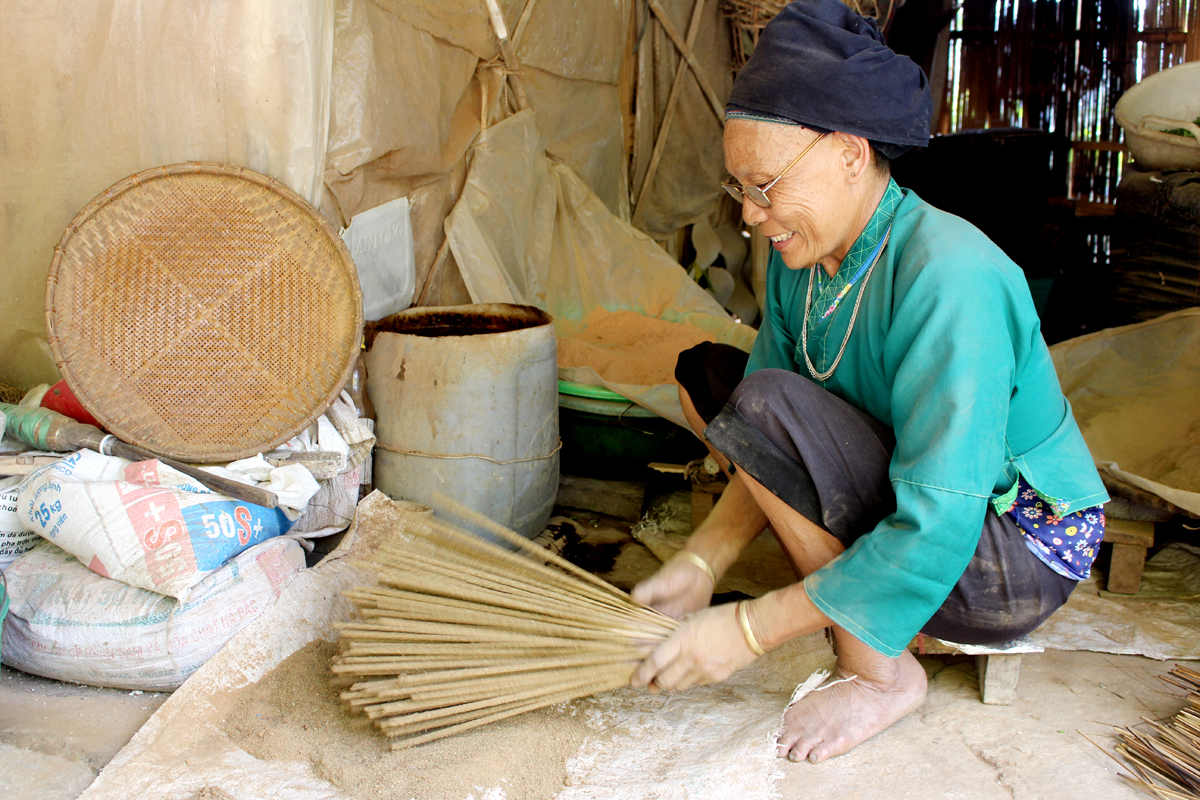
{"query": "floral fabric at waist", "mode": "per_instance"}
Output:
(1067, 544)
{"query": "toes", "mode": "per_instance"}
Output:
(820, 753)
(803, 748)
(787, 737)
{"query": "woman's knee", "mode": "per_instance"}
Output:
(764, 396)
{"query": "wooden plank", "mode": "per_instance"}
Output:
(1116, 147)
(620, 499)
(998, 677)
(22, 464)
(323, 466)
(1121, 508)
(1125, 569)
(1127, 531)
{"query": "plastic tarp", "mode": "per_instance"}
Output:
(528, 230)
(98, 91)
(1135, 391)
(411, 81)
(686, 183)
(351, 103)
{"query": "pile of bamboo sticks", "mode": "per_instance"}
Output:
(461, 632)
(1166, 759)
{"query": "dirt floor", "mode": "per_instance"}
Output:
(54, 738)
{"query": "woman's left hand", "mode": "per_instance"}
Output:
(707, 648)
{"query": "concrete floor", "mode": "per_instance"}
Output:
(54, 737)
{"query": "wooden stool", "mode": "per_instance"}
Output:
(1130, 540)
(999, 666)
(706, 486)
(1130, 517)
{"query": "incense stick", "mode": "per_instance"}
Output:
(461, 632)
(1166, 760)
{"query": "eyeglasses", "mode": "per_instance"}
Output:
(758, 195)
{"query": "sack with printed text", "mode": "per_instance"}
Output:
(142, 523)
(70, 624)
(15, 537)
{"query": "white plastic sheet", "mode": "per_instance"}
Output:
(381, 244)
(528, 230)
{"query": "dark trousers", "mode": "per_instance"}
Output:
(829, 461)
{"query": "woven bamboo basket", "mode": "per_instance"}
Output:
(203, 311)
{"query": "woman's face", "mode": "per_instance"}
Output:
(813, 211)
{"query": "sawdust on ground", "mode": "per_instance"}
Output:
(627, 347)
(293, 714)
(211, 793)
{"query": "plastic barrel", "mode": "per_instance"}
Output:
(466, 404)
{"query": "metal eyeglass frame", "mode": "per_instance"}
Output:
(758, 195)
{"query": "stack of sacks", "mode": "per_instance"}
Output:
(146, 573)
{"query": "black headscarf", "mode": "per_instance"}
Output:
(821, 65)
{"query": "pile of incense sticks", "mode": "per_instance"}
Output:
(461, 632)
(1166, 759)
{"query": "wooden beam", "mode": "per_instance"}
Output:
(620, 499)
(685, 50)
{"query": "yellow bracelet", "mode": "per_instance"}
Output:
(744, 620)
(699, 562)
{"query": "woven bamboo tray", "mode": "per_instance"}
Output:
(203, 311)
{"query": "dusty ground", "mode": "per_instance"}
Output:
(55, 737)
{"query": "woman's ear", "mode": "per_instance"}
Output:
(855, 154)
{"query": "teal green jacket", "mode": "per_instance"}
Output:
(947, 350)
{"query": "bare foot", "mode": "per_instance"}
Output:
(833, 721)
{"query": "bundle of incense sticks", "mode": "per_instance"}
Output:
(461, 632)
(1166, 759)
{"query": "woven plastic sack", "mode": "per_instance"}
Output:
(15, 537)
(68, 623)
(143, 523)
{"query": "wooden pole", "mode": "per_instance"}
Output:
(509, 55)
(685, 50)
(660, 141)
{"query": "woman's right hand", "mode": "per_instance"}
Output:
(679, 588)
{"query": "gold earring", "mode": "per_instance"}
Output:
(852, 174)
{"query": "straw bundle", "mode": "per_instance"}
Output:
(10, 393)
(1167, 759)
(461, 632)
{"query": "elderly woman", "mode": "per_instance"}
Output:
(898, 425)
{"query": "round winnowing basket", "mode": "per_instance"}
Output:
(203, 311)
